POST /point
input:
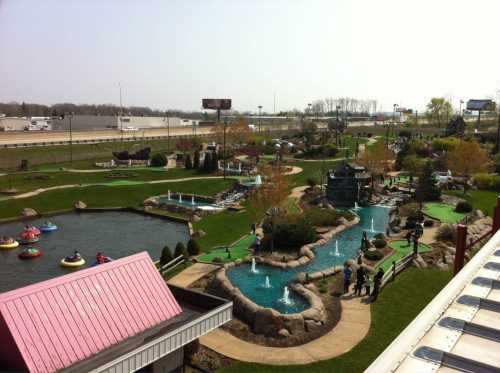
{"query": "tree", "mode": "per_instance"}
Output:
(207, 162)
(188, 163)
(467, 158)
(427, 189)
(166, 256)
(193, 247)
(196, 161)
(377, 159)
(180, 249)
(159, 160)
(185, 145)
(439, 110)
(239, 131)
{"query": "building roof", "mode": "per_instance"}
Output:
(458, 331)
(54, 324)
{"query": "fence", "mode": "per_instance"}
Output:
(174, 263)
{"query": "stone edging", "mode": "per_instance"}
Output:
(306, 252)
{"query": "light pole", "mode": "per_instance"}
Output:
(168, 132)
(260, 114)
(224, 151)
(460, 108)
(416, 117)
(70, 117)
(337, 127)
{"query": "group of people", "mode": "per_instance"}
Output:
(6, 240)
(100, 259)
(363, 280)
(412, 236)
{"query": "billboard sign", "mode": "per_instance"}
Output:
(481, 105)
(216, 103)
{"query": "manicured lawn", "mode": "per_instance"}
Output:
(291, 205)
(397, 305)
(238, 251)
(103, 196)
(310, 170)
(444, 212)
(401, 249)
(483, 200)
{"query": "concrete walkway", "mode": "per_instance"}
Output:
(192, 274)
(352, 328)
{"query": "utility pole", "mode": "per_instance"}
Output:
(70, 116)
(497, 144)
(224, 151)
(260, 115)
(168, 132)
(121, 111)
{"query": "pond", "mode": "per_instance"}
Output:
(115, 234)
(348, 242)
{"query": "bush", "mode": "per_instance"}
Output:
(464, 207)
(180, 249)
(447, 232)
(379, 236)
(373, 255)
(188, 163)
(193, 247)
(325, 218)
(312, 182)
(218, 259)
(166, 256)
(379, 243)
(428, 223)
(290, 233)
(159, 160)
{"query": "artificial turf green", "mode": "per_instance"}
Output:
(238, 251)
(401, 249)
(443, 212)
(398, 304)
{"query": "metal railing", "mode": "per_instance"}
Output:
(174, 263)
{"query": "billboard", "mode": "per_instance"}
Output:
(480, 105)
(216, 103)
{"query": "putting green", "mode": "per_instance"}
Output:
(443, 212)
(401, 249)
(238, 251)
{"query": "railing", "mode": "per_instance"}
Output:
(396, 268)
(172, 264)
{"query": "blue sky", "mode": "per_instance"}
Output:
(170, 54)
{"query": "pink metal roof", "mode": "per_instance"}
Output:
(53, 324)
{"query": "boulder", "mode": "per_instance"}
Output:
(421, 262)
(29, 212)
(151, 201)
(342, 221)
(313, 326)
(294, 323)
(80, 205)
(266, 321)
(303, 260)
(195, 218)
(301, 277)
(283, 333)
(199, 233)
(293, 264)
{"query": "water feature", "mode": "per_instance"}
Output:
(286, 297)
(337, 248)
(356, 207)
(168, 195)
(267, 284)
(192, 200)
(193, 203)
(115, 234)
(348, 243)
(254, 265)
(180, 198)
(371, 227)
(258, 180)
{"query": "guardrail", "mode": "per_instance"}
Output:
(397, 267)
(172, 264)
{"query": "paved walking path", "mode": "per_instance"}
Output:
(352, 328)
(192, 274)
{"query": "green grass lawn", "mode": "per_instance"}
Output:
(483, 200)
(104, 196)
(291, 205)
(238, 251)
(310, 170)
(401, 249)
(397, 305)
(444, 212)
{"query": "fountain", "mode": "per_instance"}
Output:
(267, 285)
(192, 200)
(372, 229)
(168, 195)
(258, 180)
(356, 207)
(337, 248)
(180, 198)
(286, 297)
(254, 270)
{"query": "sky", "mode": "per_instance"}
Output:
(169, 54)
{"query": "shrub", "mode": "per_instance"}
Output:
(379, 243)
(447, 232)
(312, 182)
(193, 247)
(374, 255)
(159, 160)
(464, 207)
(180, 249)
(217, 259)
(325, 218)
(290, 233)
(379, 236)
(166, 256)
(428, 223)
(188, 163)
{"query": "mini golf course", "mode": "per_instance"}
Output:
(444, 212)
(401, 249)
(238, 250)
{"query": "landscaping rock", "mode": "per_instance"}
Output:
(265, 321)
(238, 262)
(312, 326)
(293, 264)
(29, 212)
(195, 218)
(301, 277)
(199, 233)
(151, 201)
(80, 205)
(294, 323)
(283, 333)
(420, 261)
(342, 221)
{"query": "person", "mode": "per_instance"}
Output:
(75, 257)
(360, 280)
(377, 282)
(347, 277)
(367, 285)
(258, 243)
(364, 241)
(100, 258)
(253, 228)
(415, 245)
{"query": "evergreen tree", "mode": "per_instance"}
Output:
(427, 190)
(215, 162)
(207, 162)
(196, 161)
(166, 256)
(193, 247)
(180, 249)
(188, 164)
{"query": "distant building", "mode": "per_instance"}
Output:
(347, 184)
(13, 123)
(115, 317)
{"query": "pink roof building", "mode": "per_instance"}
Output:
(51, 325)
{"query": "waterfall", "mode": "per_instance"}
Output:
(286, 297)
(337, 248)
(356, 207)
(267, 285)
(168, 195)
(180, 198)
(372, 228)
(254, 269)
(192, 200)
